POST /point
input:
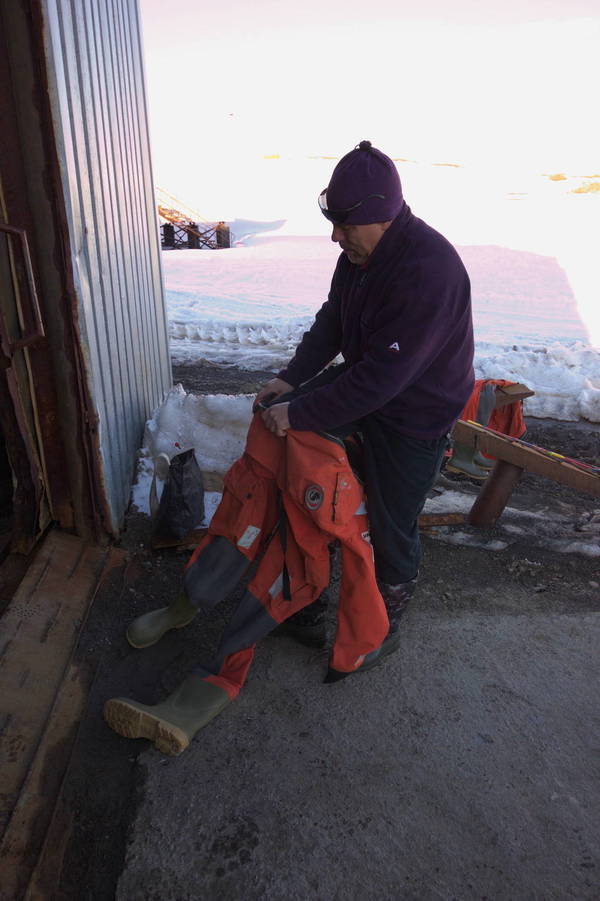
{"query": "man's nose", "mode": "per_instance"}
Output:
(336, 234)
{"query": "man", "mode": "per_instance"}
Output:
(399, 311)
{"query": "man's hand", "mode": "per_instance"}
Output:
(273, 389)
(276, 419)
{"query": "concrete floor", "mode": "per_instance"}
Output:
(465, 767)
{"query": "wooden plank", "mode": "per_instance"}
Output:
(40, 630)
(46, 877)
(40, 624)
(25, 833)
(512, 451)
(49, 819)
(213, 481)
(428, 520)
(510, 394)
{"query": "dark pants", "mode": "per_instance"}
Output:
(399, 472)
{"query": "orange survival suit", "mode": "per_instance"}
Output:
(284, 501)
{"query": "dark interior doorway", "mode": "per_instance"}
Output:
(6, 499)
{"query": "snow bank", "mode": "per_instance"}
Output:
(566, 379)
(249, 307)
(214, 425)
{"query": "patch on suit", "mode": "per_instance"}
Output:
(313, 497)
(248, 536)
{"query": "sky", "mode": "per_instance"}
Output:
(496, 86)
(252, 103)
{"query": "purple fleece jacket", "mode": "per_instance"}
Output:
(403, 324)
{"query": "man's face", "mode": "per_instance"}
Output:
(358, 241)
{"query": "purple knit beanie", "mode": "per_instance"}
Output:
(363, 172)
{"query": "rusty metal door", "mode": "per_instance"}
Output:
(47, 414)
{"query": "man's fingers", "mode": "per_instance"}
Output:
(263, 397)
(270, 423)
(264, 393)
(268, 397)
(271, 391)
(276, 420)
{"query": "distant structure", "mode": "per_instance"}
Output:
(223, 235)
(186, 228)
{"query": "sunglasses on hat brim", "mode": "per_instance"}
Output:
(339, 217)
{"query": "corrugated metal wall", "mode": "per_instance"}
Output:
(96, 77)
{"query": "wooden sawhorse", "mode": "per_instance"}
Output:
(513, 457)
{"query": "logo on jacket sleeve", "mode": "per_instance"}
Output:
(394, 346)
(313, 497)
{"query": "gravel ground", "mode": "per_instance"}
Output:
(464, 767)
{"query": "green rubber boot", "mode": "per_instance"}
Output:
(483, 461)
(462, 461)
(149, 628)
(172, 724)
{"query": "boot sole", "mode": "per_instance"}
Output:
(469, 475)
(149, 644)
(131, 722)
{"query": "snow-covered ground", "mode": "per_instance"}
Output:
(248, 307)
